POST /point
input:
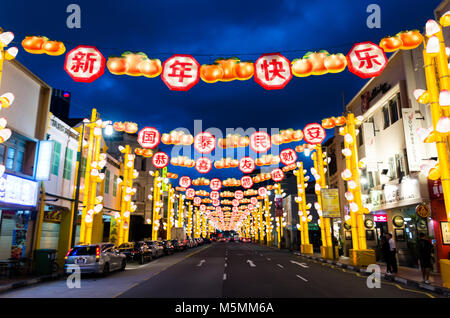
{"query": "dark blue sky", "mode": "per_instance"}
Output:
(207, 30)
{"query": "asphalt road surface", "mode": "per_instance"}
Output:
(222, 270)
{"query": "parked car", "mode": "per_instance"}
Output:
(126, 249)
(245, 240)
(207, 241)
(141, 252)
(222, 239)
(157, 249)
(191, 243)
(95, 258)
(168, 247)
(231, 239)
(178, 245)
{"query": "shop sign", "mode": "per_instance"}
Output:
(17, 190)
(422, 210)
(435, 189)
(445, 230)
(380, 218)
(330, 203)
(413, 143)
(397, 194)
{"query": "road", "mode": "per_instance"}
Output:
(222, 270)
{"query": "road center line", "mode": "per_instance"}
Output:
(279, 265)
(268, 258)
(302, 278)
(224, 276)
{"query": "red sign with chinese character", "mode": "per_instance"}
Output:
(235, 202)
(202, 207)
(380, 218)
(160, 160)
(366, 60)
(314, 134)
(190, 193)
(253, 200)
(273, 71)
(247, 165)
(277, 175)
(203, 165)
(288, 156)
(239, 194)
(262, 192)
(84, 64)
(180, 72)
(215, 184)
(197, 200)
(250, 207)
(435, 189)
(216, 203)
(235, 209)
(204, 142)
(185, 182)
(260, 141)
(246, 182)
(149, 137)
(214, 195)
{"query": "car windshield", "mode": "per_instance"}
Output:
(126, 245)
(83, 250)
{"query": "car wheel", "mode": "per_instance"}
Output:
(124, 264)
(105, 269)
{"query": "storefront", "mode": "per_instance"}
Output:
(18, 197)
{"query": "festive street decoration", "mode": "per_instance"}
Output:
(366, 60)
(180, 72)
(149, 137)
(277, 175)
(272, 71)
(190, 193)
(134, 64)
(267, 160)
(246, 182)
(261, 177)
(332, 122)
(226, 70)
(41, 45)
(216, 184)
(288, 156)
(247, 165)
(177, 138)
(260, 142)
(226, 163)
(319, 63)
(182, 161)
(185, 182)
(203, 165)
(231, 182)
(201, 182)
(406, 40)
(84, 64)
(147, 153)
(314, 133)
(160, 160)
(233, 141)
(287, 136)
(204, 142)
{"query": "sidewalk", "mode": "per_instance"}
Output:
(406, 275)
(17, 282)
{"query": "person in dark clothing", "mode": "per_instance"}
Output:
(425, 251)
(386, 253)
(392, 252)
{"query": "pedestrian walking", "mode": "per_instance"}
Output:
(425, 257)
(392, 252)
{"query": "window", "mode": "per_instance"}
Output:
(10, 158)
(56, 157)
(83, 166)
(68, 164)
(400, 165)
(143, 164)
(19, 161)
(107, 181)
(392, 168)
(393, 108)
(2, 154)
(386, 117)
(115, 186)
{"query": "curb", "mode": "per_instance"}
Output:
(31, 281)
(408, 282)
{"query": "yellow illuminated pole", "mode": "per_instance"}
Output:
(197, 223)
(156, 205)
(279, 220)
(180, 210)
(304, 218)
(268, 221)
(203, 224)
(170, 211)
(126, 192)
(261, 224)
(189, 227)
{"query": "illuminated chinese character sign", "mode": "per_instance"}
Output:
(314, 134)
(160, 160)
(203, 165)
(204, 142)
(260, 141)
(262, 192)
(149, 137)
(288, 156)
(247, 165)
(253, 200)
(180, 72)
(197, 200)
(277, 175)
(214, 195)
(215, 184)
(239, 195)
(366, 60)
(185, 182)
(273, 71)
(84, 64)
(190, 193)
(246, 182)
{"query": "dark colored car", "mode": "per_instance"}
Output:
(136, 251)
(207, 241)
(126, 248)
(178, 245)
(231, 239)
(156, 249)
(168, 247)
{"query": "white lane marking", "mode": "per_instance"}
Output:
(302, 278)
(251, 263)
(201, 262)
(225, 264)
(224, 276)
(300, 264)
(226, 258)
(279, 265)
(260, 254)
(268, 258)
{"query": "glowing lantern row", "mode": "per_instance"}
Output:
(319, 63)
(226, 163)
(226, 70)
(134, 64)
(147, 153)
(200, 182)
(182, 161)
(177, 138)
(41, 44)
(406, 40)
(128, 127)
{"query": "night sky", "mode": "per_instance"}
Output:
(208, 30)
